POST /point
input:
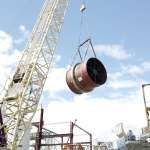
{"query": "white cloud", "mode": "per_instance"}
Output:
(115, 51)
(25, 34)
(120, 83)
(146, 66)
(127, 77)
(140, 59)
(56, 80)
(22, 28)
(8, 56)
(135, 69)
(10, 59)
(114, 75)
(5, 42)
(97, 115)
(132, 69)
(115, 95)
(56, 58)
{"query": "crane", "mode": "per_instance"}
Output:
(147, 107)
(22, 96)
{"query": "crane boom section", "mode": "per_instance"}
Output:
(23, 94)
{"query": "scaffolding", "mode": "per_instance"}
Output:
(50, 138)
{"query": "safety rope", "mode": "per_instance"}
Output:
(15, 22)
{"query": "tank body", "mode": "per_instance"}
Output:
(86, 76)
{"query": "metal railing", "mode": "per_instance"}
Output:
(71, 147)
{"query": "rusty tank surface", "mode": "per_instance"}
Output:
(86, 76)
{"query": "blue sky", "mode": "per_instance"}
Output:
(120, 32)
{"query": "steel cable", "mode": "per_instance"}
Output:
(86, 25)
(80, 29)
(83, 15)
(15, 21)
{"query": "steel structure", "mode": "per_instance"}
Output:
(24, 91)
(147, 107)
(43, 133)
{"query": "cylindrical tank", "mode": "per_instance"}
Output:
(85, 76)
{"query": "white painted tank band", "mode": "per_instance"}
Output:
(75, 82)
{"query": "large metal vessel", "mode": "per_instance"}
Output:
(85, 76)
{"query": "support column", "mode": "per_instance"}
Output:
(38, 141)
(90, 141)
(61, 143)
(71, 132)
(3, 142)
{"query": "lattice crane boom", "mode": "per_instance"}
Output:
(24, 91)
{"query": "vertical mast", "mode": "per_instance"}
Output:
(147, 107)
(23, 94)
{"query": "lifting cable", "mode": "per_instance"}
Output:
(15, 22)
(86, 24)
(83, 7)
(83, 16)
(80, 29)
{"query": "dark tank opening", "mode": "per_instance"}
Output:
(96, 71)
